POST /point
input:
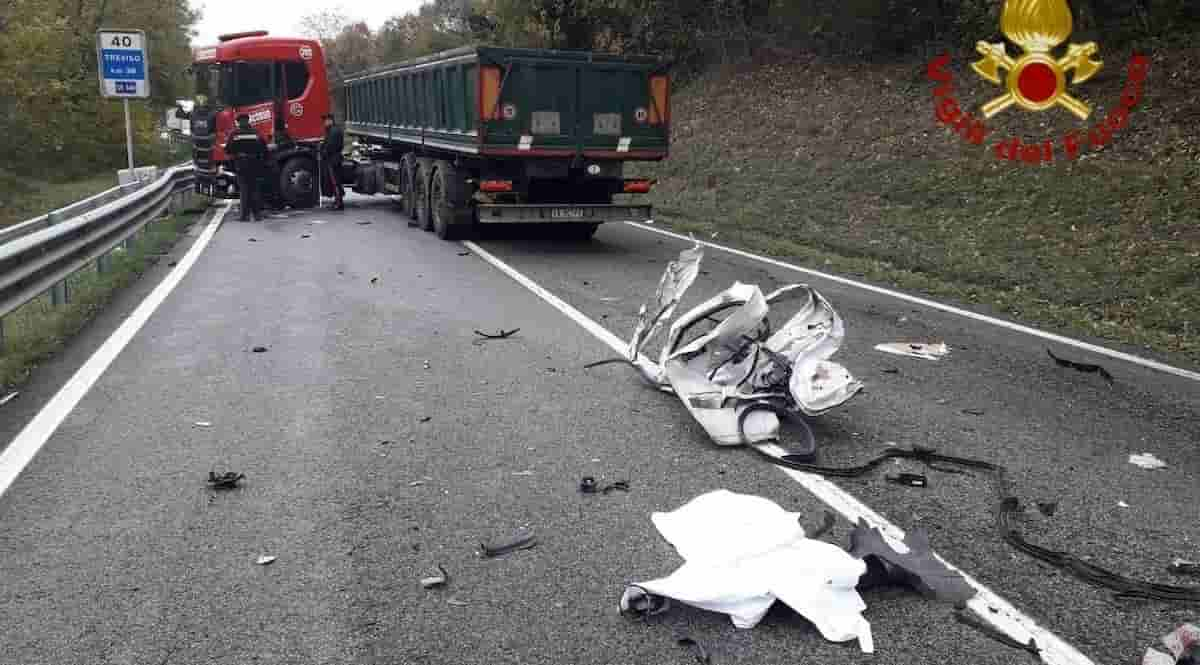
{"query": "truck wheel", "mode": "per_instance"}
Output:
(297, 183)
(408, 167)
(448, 204)
(421, 193)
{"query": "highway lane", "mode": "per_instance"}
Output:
(113, 551)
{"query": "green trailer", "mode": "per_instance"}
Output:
(483, 135)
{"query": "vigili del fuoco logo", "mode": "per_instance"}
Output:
(1036, 81)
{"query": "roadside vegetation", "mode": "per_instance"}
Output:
(38, 330)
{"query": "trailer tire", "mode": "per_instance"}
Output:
(448, 202)
(421, 181)
(297, 183)
(408, 167)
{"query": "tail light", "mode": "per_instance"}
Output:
(660, 97)
(496, 186)
(638, 186)
(489, 92)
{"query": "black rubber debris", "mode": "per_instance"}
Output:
(363, 223)
(305, 235)
(968, 619)
(1047, 508)
(587, 485)
(621, 485)
(1183, 567)
(259, 349)
(1080, 367)
(426, 419)
(973, 412)
(916, 569)
(891, 370)
(908, 480)
(503, 334)
(702, 655)
(252, 240)
(522, 541)
(224, 481)
(464, 253)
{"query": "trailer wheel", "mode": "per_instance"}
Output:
(297, 183)
(408, 167)
(421, 193)
(448, 204)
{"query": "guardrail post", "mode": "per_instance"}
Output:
(102, 263)
(59, 294)
(1, 333)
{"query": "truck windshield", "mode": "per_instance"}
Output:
(246, 83)
(207, 85)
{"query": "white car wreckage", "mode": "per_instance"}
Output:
(738, 378)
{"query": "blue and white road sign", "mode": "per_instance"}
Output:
(123, 66)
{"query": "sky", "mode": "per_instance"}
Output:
(282, 17)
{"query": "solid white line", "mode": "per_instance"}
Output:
(1100, 350)
(986, 604)
(26, 445)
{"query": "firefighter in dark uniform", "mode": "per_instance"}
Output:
(331, 159)
(250, 154)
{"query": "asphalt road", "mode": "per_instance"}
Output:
(380, 438)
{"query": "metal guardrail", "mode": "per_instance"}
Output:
(39, 255)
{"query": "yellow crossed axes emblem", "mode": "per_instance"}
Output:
(1037, 80)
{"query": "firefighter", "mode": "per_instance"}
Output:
(250, 154)
(331, 159)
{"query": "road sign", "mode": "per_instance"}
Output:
(124, 69)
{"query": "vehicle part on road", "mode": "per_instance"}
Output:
(225, 481)
(827, 523)
(908, 479)
(891, 370)
(259, 349)
(522, 473)
(742, 553)
(1047, 508)
(1183, 643)
(503, 334)
(621, 485)
(968, 619)
(737, 379)
(702, 655)
(919, 350)
(917, 568)
(1122, 504)
(1184, 567)
(464, 253)
(1009, 506)
(1147, 461)
(973, 412)
(305, 235)
(8, 398)
(587, 485)
(252, 240)
(203, 423)
(363, 223)
(523, 541)
(265, 560)
(436, 580)
(1155, 657)
(1081, 367)
(641, 603)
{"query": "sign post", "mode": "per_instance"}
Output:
(124, 72)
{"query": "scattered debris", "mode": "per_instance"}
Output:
(739, 377)
(259, 349)
(522, 541)
(1183, 643)
(375, 279)
(426, 419)
(363, 223)
(8, 398)
(638, 602)
(426, 365)
(436, 580)
(172, 264)
(891, 370)
(587, 485)
(305, 235)
(503, 334)
(464, 253)
(908, 479)
(1122, 504)
(1080, 367)
(1184, 567)
(917, 350)
(1047, 508)
(265, 560)
(621, 485)
(827, 523)
(1147, 461)
(742, 553)
(973, 412)
(457, 602)
(916, 568)
(203, 423)
(968, 619)
(522, 473)
(416, 483)
(252, 240)
(702, 656)
(225, 481)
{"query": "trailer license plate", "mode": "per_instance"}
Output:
(568, 213)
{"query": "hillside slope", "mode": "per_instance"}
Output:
(845, 167)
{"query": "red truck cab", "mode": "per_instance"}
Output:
(281, 83)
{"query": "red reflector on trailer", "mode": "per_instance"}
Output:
(637, 186)
(496, 186)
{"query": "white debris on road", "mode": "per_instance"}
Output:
(922, 351)
(1147, 461)
(744, 552)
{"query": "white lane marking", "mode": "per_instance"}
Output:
(1067, 341)
(26, 445)
(1005, 617)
